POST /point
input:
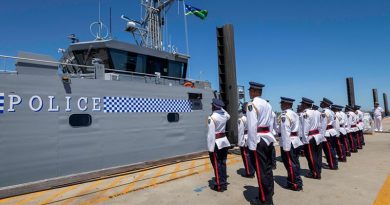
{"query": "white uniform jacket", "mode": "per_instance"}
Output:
(377, 112)
(360, 116)
(352, 120)
(343, 122)
(242, 132)
(289, 130)
(217, 124)
(259, 118)
(329, 125)
(312, 126)
(301, 131)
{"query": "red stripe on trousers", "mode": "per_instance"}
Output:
(312, 161)
(291, 170)
(216, 171)
(352, 141)
(346, 145)
(340, 149)
(330, 155)
(258, 178)
(246, 162)
(358, 139)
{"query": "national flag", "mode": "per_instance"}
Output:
(202, 14)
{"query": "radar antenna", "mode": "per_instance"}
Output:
(149, 31)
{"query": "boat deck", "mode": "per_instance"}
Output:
(364, 179)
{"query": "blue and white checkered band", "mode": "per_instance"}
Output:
(125, 104)
(1, 103)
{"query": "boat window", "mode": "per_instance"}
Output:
(80, 120)
(175, 69)
(84, 57)
(157, 65)
(173, 117)
(196, 101)
(123, 60)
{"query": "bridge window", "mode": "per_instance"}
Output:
(196, 100)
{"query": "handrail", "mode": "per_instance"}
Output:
(45, 61)
(146, 74)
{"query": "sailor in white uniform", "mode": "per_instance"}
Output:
(242, 143)
(311, 125)
(352, 128)
(360, 126)
(218, 144)
(378, 111)
(290, 144)
(260, 142)
(340, 121)
(329, 129)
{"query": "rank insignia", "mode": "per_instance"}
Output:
(250, 108)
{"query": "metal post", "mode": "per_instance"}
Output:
(387, 113)
(350, 92)
(375, 95)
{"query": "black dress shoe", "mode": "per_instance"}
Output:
(219, 189)
(247, 176)
(256, 201)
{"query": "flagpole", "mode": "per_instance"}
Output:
(186, 33)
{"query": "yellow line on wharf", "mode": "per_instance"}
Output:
(57, 194)
(383, 197)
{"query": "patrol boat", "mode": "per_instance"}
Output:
(105, 105)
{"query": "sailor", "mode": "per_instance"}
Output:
(242, 143)
(340, 121)
(378, 111)
(218, 144)
(315, 107)
(329, 130)
(360, 126)
(300, 133)
(260, 142)
(274, 128)
(290, 143)
(352, 128)
(311, 127)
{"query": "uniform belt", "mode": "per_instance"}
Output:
(294, 134)
(353, 126)
(245, 132)
(314, 132)
(262, 129)
(220, 135)
(329, 127)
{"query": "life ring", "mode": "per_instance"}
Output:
(188, 84)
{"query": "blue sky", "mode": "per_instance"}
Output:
(297, 48)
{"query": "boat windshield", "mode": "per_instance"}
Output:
(127, 61)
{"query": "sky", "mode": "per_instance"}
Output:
(301, 48)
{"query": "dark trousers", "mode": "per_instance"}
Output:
(330, 152)
(345, 142)
(291, 163)
(352, 141)
(273, 157)
(359, 137)
(341, 149)
(313, 153)
(245, 154)
(262, 161)
(218, 160)
(362, 137)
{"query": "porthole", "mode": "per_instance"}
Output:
(80, 120)
(173, 117)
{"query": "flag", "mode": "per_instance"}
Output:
(202, 14)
